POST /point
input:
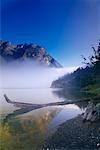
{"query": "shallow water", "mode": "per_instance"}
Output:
(28, 130)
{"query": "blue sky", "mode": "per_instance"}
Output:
(67, 28)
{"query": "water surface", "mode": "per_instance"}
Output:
(28, 130)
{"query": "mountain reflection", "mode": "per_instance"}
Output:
(27, 131)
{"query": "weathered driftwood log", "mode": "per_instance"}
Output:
(20, 104)
(92, 112)
(24, 105)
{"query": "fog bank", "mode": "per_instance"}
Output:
(29, 75)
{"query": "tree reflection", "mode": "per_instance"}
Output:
(73, 95)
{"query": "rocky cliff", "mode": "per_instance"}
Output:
(10, 52)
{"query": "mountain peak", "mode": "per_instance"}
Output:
(10, 52)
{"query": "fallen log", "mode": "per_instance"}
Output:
(27, 107)
(36, 106)
(20, 104)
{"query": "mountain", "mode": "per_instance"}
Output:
(21, 52)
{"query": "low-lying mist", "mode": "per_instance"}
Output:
(29, 75)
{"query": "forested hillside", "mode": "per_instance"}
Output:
(86, 78)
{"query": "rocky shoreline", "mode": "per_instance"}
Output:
(75, 134)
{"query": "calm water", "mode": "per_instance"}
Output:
(29, 130)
